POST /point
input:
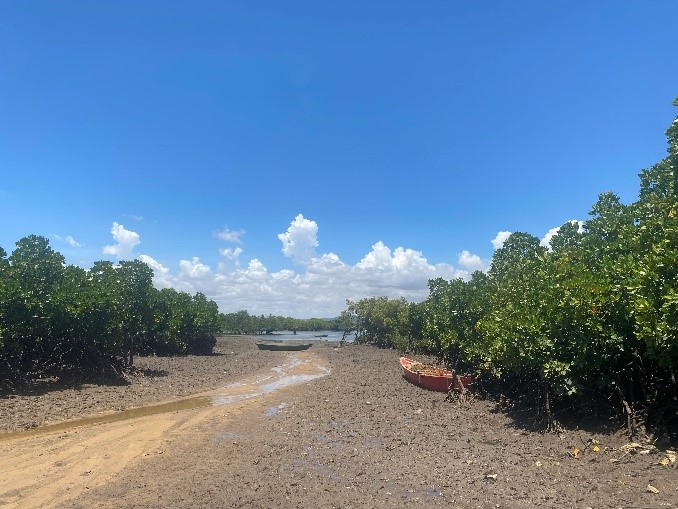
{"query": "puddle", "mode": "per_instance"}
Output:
(295, 370)
(272, 410)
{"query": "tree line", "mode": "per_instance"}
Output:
(592, 319)
(56, 317)
(241, 322)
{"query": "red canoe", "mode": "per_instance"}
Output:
(432, 378)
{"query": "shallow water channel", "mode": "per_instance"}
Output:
(298, 368)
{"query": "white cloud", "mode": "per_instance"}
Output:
(68, 240)
(126, 241)
(231, 253)
(321, 287)
(472, 262)
(320, 290)
(499, 240)
(326, 264)
(194, 269)
(300, 240)
(161, 274)
(256, 271)
(230, 235)
(379, 257)
(546, 240)
(72, 242)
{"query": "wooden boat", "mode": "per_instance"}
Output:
(284, 346)
(432, 378)
(321, 335)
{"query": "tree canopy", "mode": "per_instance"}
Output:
(593, 317)
(56, 317)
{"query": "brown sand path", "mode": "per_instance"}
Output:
(46, 466)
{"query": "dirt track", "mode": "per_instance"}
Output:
(359, 437)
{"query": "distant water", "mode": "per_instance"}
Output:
(332, 335)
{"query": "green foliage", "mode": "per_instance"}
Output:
(593, 317)
(449, 318)
(182, 324)
(55, 317)
(33, 273)
(380, 321)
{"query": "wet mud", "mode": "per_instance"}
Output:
(359, 436)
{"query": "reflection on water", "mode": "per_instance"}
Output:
(322, 335)
(282, 378)
(295, 370)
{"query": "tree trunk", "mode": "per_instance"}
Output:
(552, 424)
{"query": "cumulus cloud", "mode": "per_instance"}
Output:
(162, 278)
(472, 262)
(230, 235)
(499, 240)
(402, 272)
(320, 290)
(546, 240)
(194, 269)
(68, 240)
(379, 257)
(300, 240)
(126, 241)
(321, 287)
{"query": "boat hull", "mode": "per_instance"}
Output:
(443, 381)
(284, 347)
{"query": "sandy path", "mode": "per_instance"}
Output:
(43, 468)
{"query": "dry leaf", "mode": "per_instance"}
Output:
(631, 446)
(635, 446)
(595, 448)
(664, 462)
(574, 452)
(651, 489)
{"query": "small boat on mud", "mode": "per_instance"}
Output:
(432, 378)
(284, 347)
(321, 335)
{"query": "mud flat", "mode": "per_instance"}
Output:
(358, 436)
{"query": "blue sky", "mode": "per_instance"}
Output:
(282, 157)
